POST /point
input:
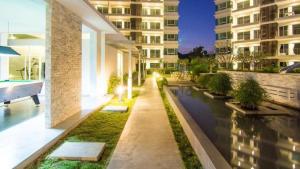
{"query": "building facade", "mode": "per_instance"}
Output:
(270, 28)
(151, 24)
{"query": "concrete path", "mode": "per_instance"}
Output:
(147, 141)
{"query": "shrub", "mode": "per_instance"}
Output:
(161, 82)
(249, 94)
(220, 84)
(297, 70)
(114, 81)
(203, 80)
(200, 68)
(270, 69)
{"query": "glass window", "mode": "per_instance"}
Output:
(144, 11)
(127, 11)
(145, 39)
(297, 49)
(154, 53)
(102, 9)
(256, 34)
(170, 51)
(296, 29)
(144, 25)
(118, 24)
(243, 5)
(284, 49)
(155, 39)
(145, 52)
(171, 9)
(171, 37)
(171, 22)
(256, 18)
(154, 25)
(283, 12)
(296, 10)
(127, 24)
(283, 31)
(155, 12)
(116, 10)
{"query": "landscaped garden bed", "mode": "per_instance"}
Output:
(188, 155)
(99, 127)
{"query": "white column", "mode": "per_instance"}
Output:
(4, 60)
(129, 74)
(101, 75)
(139, 73)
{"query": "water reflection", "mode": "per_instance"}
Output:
(271, 142)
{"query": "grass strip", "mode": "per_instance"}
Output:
(188, 154)
(99, 127)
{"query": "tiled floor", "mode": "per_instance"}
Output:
(147, 141)
(23, 142)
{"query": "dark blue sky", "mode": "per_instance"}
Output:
(196, 24)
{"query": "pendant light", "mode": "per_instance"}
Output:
(6, 50)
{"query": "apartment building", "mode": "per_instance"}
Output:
(152, 24)
(267, 27)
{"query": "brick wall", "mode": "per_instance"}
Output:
(281, 88)
(63, 63)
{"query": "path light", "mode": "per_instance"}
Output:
(156, 75)
(120, 92)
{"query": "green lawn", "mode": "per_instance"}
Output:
(99, 127)
(188, 154)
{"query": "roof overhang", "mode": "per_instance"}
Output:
(121, 42)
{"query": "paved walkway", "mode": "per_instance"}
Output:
(147, 141)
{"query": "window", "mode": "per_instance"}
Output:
(118, 24)
(256, 50)
(155, 12)
(244, 36)
(144, 25)
(171, 9)
(154, 53)
(127, 11)
(283, 12)
(127, 25)
(102, 9)
(256, 34)
(256, 18)
(283, 31)
(243, 5)
(145, 39)
(244, 51)
(223, 20)
(155, 39)
(284, 49)
(145, 52)
(171, 22)
(223, 36)
(170, 51)
(154, 25)
(144, 11)
(296, 10)
(297, 49)
(244, 20)
(296, 29)
(155, 65)
(171, 37)
(224, 5)
(116, 10)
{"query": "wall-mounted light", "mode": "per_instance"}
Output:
(8, 51)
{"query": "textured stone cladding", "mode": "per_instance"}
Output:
(281, 88)
(63, 63)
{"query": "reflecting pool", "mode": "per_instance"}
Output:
(269, 142)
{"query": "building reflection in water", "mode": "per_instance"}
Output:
(265, 142)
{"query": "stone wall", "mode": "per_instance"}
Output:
(63, 63)
(281, 88)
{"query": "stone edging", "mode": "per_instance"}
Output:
(207, 153)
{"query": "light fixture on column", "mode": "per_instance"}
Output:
(8, 51)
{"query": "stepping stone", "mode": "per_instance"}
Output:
(115, 108)
(84, 151)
